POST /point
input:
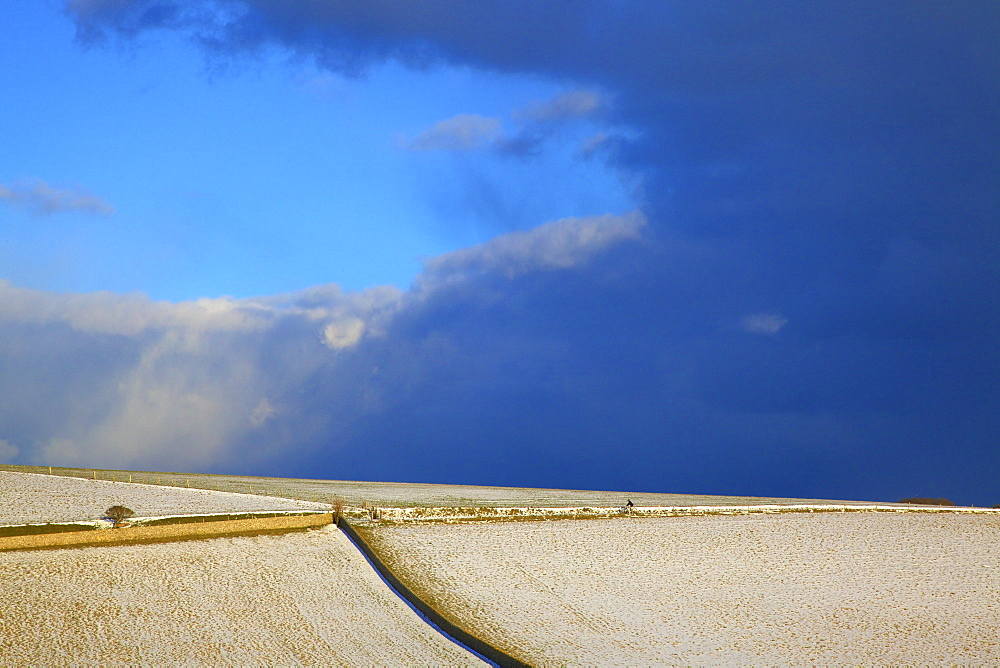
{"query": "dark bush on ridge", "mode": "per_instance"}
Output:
(928, 502)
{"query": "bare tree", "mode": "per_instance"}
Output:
(338, 509)
(118, 514)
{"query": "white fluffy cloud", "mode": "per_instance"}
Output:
(8, 451)
(564, 106)
(464, 132)
(344, 333)
(534, 124)
(763, 323)
(42, 199)
(557, 245)
(127, 315)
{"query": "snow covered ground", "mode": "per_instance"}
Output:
(305, 598)
(400, 494)
(823, 588)
(753, 587)
(31, 498)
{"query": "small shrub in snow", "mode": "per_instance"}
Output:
(118, 514)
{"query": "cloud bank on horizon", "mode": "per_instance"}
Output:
(803, 303)
(123, 379)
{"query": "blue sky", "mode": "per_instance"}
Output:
(256, 176)
(734, 248)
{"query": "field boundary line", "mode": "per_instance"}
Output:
(454, 632)
(448, 514)
(166, 532)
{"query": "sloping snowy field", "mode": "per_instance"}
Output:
(305, 598)
(30, 498)
(402, 494)
(825, 588)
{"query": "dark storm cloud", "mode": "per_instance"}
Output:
(814, 310)
(96, 18)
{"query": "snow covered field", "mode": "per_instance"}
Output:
(401, 494)
(797, 587)
(824, 588)
(305, 598)
(31, 498)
